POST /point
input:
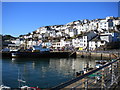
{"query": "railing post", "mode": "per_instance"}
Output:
(83, 81)
(118, 71)
(101, 56)
(118, 54)
(102, 83)
(113, 74)
(86, 84)
(118, 67)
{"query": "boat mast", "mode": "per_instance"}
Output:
(18, 79)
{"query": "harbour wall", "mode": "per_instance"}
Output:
(51, 54)
(84, 54)
(98, 55)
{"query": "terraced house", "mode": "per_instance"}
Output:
(83, 34)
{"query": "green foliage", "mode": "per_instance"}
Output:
(8, 37)
(68, 39)
(20, 35)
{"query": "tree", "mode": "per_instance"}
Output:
(8, 37)
(20, 35)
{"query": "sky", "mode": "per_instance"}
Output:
(19, 18)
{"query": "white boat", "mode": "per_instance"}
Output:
(24, 88)
(2, 87)
(98, 65)
(29, 88)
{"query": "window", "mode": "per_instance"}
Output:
(102, 41)
(81, 40)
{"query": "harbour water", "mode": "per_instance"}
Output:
(42, 72)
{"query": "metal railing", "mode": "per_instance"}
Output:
(103, 77)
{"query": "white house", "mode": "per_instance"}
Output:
(115, 35)
(76, 42)
(105, 24)
(56, 45)
(104, 38)
(93, 44)
(42, 30)
(30, 43)
(59, 34)
(67, 31)
(61, 44)
(116, 22)
(82, 28)
(93, 25)
(18, 41)
(107, 38)
(82, 41)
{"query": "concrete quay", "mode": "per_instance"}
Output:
(98, 54)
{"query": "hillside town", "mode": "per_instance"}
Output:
(89, 35)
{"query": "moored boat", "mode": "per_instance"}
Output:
(29, 88)
(101, 61)
(98, 65)
(2, 87)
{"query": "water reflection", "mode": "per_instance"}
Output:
(42, 72)
(70, 66)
